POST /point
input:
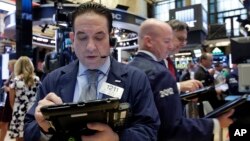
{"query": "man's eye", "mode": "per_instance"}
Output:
(182, 39)
(82, 37)
(167, 41)
(99, 38)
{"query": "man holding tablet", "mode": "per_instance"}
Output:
(92, 24)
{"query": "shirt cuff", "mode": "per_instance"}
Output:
(216, 129)
(45, 137)
(179, 87)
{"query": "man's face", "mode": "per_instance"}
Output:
(179, 40)
(91, 39)
(208, 62)
(163, 42)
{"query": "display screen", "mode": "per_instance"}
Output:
(197, 52)
(182, 59)
(195, 16)
(240, 49)
(187, 16)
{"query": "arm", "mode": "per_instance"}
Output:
(12, 95)
(198, 75)
(190, 85)
(144, 123)
(12, 92)
(211, 95)
(174, 125)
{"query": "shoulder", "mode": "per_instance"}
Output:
(150, 67)
(199, 70)
(143, 63)
(36, 78)
(71, 67)
(18, 77)
(126, 69)
(17, 82)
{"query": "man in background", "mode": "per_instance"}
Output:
(180, 30)
(202, 74)
(155, 39)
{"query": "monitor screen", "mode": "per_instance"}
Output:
(240, 50)
(197, 52)
(195, 16)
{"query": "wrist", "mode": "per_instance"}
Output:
(47, 128)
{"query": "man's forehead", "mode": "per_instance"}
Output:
(91, 29)
(91, 20)
(180, 33)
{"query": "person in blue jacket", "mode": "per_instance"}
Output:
(155, 39)
(92, 24)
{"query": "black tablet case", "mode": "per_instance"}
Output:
(226, 107)
(73, 117)
(194, 94)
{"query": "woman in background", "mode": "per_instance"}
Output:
(7, 111)
(23, 90)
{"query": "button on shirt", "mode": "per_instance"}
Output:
(82, 79)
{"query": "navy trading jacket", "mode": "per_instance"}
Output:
(142, 126)
(174, 126)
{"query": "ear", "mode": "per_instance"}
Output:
(71, 36)
(148, 41)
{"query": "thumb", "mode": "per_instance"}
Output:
(96, 126)
(229, 113)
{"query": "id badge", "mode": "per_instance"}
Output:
(111, 90)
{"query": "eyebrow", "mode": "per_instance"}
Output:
(98, 33)
(79, 32)
(167, 38)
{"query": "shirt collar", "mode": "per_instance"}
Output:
(150, 54)
(204, 67)
(104, 68)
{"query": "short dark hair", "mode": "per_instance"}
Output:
(178, 25)
(96, 8)
(204, 56)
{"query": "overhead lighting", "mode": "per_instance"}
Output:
(7, 6)
(223, 43)
(183, 54)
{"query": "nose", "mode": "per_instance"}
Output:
(90, 45)
(171, 46)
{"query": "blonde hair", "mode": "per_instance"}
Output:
(24, 68)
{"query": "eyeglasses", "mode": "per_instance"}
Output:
(182, 39)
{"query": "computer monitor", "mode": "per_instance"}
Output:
(240, 50)
(197, 53)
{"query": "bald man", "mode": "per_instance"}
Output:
(155, 38)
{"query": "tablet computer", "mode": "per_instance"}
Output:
(226, 107)
(73, 117)
(194, 94)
